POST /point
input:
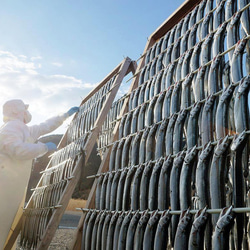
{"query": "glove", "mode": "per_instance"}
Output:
(51, 146)
(72, 111)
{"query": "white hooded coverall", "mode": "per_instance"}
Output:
(17, 150)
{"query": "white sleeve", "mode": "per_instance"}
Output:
(13, 145)
(48, 126)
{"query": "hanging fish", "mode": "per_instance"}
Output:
(184, 43)
(170, 75)
(185, 69)
(220, 238)
(167, 103)
(186, 91)
(241, 115)
(207, 120)
(192, 126)
(174, 191)
(99, 231)
(192, 39)
(131, 230)
(199, 85)
(124, 231)
(117, 230)
(165, 41)
(183, 230)
(178, 139)
(153, 185)
(170, 134)
(135, 150)
(150, 143)
(158, 107)
(200, 15)
(103, 191)
(142, 94)
(160, 140)
(149, 117)
(141, 117)
(125, 152)
(111, 231)
(175, 98)
(193, 16)
(161, 234)
(232, 30)
(214, 76)
(120, 189)
(218, 175)
(239, 191)
(196, 237)
(108, 189)
(149, 235)
(118, 155)
(113, 192)
(134, 120)
(94, 231)
(164, 184)
(126, 202)
(105, 231)
(205, 58)
(202, 186)
(98, 191)
(218, 42)
(142, 154)
(186, 178)
(144, 185)
(157, 88)
(236, 67)
(140, 230)
(135, 188)
(222, 121)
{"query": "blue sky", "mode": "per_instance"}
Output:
(52, 53)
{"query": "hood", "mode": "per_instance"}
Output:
(14, 109)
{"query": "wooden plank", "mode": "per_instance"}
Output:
(105, 162)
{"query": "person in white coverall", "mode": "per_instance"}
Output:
(18, 147)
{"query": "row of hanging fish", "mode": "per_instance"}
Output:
(145, 134)
(197, 39)
(212, 176)
(88, 113)
(143, 230)
(46, 196)
(106, 132)
(183, 144)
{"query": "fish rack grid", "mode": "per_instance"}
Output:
(50, 198)
(182, 144)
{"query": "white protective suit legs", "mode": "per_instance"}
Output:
(17, 150)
